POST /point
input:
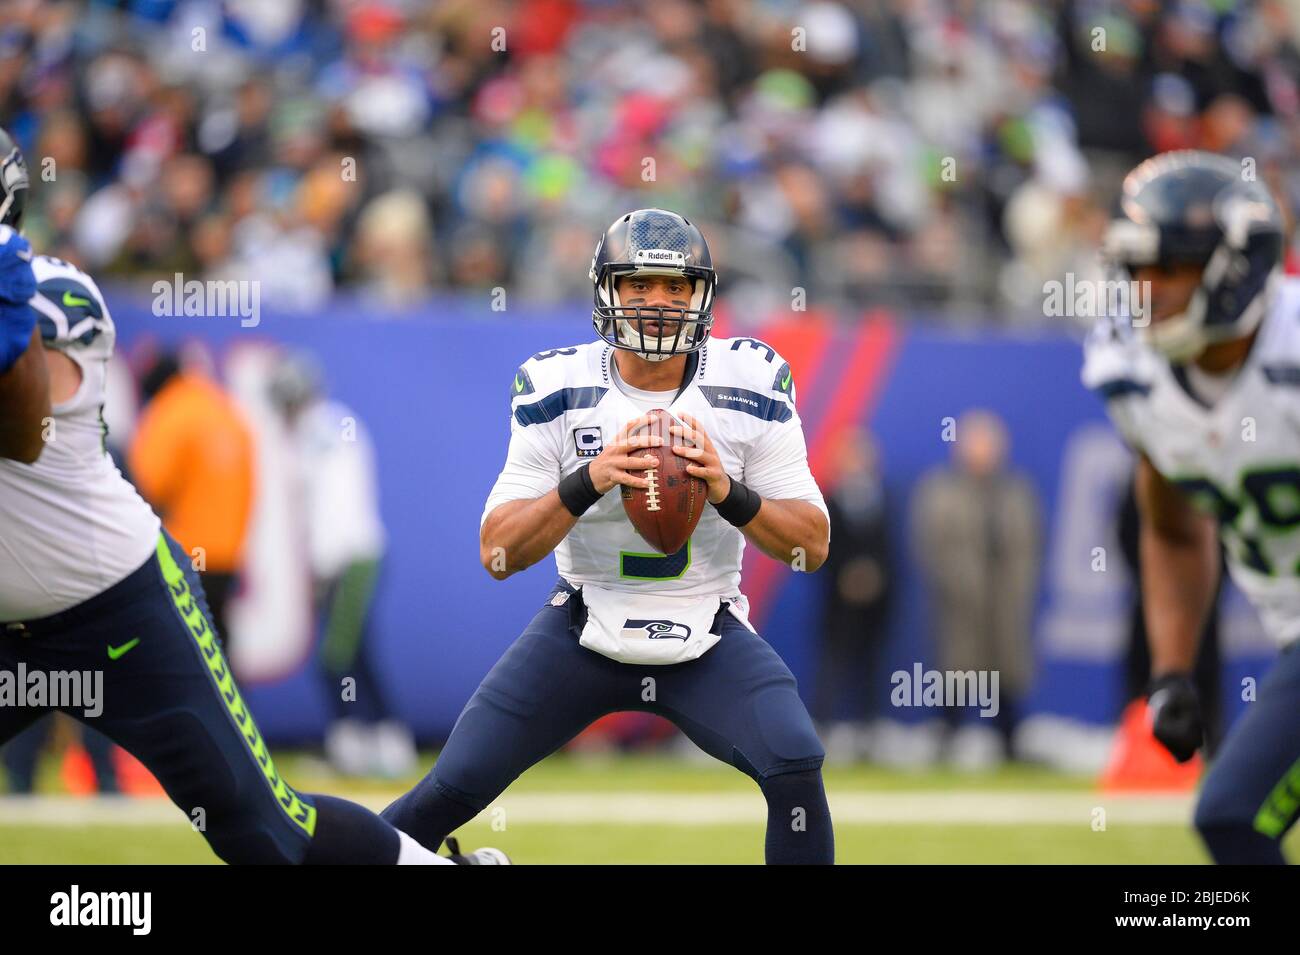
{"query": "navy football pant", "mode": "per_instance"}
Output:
(1251, 795)
(738, 702)
(169, 698)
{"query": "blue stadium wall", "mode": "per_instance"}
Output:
(432, 386)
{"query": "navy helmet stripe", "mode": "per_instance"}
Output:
(555, 404)
(750, 402)
(1119, 387)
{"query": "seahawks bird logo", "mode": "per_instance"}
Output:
(655, 630)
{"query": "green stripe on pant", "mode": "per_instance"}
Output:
(299, 812)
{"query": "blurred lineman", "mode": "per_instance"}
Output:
(1207, 394)
(337, 485)
(192, 459)
(90, 581)
(572, 412)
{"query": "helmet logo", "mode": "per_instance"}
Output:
(13, 172)
(1240, 215)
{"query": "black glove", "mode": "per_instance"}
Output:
(1176, 715)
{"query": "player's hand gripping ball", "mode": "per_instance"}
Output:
(666, 511)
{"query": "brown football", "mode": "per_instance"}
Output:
(666, 512)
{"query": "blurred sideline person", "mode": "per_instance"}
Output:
(859, 580)
(192, 458)
(338, 488)
(91, 583)
(1204, 389)
(979, 542)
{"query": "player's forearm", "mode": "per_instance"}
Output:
(518, 534)
(1179, 579)
(791, 532)
(1179, 558)
(25, 404)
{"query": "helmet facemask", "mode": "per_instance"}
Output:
(628, 322)
(1184, 335)
(653, 242)
(13, 188)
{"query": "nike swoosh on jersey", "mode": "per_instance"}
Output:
(115, 653)
(74, 301)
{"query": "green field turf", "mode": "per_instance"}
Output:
(529, 821)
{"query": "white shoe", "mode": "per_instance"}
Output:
(393, 752)
(484, 856)
(347, 747)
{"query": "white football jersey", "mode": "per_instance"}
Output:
(566, 403)
(1238, 459)
(339, 487)
(70, 525)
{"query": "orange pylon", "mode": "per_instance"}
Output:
(78, 773)
(132, 778)
(1138, 763)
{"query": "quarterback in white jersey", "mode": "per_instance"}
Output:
(594, 646)
(1206, 388)
(567, 403)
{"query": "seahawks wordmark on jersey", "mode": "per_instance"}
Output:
(70, 525)
(1237, 457)
(566, 404)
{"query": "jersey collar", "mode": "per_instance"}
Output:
(688, 375)
(694, 368)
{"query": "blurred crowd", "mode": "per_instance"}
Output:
(940, 153)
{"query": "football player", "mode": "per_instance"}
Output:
(24, 380)
(1206, 389)
(625, 628)
(90, 582)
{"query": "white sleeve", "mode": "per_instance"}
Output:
(532, 467)
(71, 310)
(1112, 369)
(777, 465)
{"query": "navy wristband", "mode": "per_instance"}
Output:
(576, 491)
(740, 505)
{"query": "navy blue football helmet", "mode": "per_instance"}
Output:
(1197, 208)
(653, 242)
(13, 182)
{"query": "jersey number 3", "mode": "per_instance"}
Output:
(635, 566)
